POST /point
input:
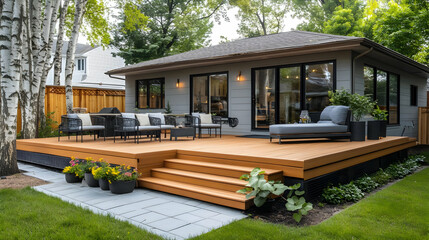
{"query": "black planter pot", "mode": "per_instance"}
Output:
(373, 131)
(72, 178)
(383, 128)
(104, 184)
(89, 179)
(121, 187)
(358, 131)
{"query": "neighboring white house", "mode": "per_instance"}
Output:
(90, 66)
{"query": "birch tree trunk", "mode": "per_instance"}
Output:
(11, 55)
(70, 58)
(58, 58)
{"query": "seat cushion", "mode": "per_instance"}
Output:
(128, 115)
(206, 118)
(86, 119)
(166, 127)
(308, 128)
(148, 128)
(92, 128)
(158, 115)
(143, 119)
(210, 125)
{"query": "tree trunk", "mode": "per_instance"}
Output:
(70, 58)
(11, 55)
(58, 58)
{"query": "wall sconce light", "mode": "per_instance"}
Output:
(178, 83)
(239, 76)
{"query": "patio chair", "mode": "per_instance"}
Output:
(149, 127)
(167, 122)
(81, 123)
(201, 121)
(334, 124)
(125, 126)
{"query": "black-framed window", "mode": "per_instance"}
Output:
(279, 93)
(383, 87)
(209, 93)
(81, 64)
(413, 95)
(150, 93)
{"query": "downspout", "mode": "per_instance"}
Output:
(110, 76)
(353, 66)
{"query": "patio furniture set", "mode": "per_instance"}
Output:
(150, 125)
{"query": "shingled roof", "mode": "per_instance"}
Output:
(268, 43)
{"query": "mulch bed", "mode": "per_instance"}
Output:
(20, 180)
(279, 214)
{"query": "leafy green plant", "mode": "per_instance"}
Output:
(366, 184)
(74, 167)
(379, 114)
(121, 173)
(360, 105)
(168, 108)
(49, 127)
(339, 97)
(397, 171)
(261, 189)
(341, 194)
(87, 164)
(381, 177)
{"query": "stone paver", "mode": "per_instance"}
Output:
(167, 215)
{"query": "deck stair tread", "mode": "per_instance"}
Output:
(222, 169)
(198, 175)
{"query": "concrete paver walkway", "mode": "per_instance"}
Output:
(164, 214)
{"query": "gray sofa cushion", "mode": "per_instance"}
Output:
(166, 127)
(210, 125)
(308, 128)
(148, 128)
(92, 128)
(336, 114)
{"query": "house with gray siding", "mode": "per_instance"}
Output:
(270, 79)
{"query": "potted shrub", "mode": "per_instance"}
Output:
(73, 172)
(86, 167)
(122, 179)
(379, 125)
(360, 106)
(100, 173)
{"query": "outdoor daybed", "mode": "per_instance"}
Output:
(334, 123)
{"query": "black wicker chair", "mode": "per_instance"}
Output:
(71, 123)
(125, 127)
(195, 122)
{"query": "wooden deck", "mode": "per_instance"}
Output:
(200, 163)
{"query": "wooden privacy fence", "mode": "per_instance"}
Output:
(93, 99)
(423, 137)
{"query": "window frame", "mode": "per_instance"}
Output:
(277, 85)
(398, 84)
(147, 81)
(191, 90)
(81, 64)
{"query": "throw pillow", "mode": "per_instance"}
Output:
(86, 119)
(143, 119)
(158, 115)
(339, 114)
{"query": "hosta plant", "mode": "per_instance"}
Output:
(261, 189)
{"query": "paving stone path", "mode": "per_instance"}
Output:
(167, 215)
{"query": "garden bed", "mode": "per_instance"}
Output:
(20, 180)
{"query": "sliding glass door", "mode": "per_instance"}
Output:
(210, 94)
(280, 93)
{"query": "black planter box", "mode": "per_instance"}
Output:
(383, 128)
(121, 187)
(89, 179)
(72, 178)
(374, 130)
(358, 131)
(104, 184)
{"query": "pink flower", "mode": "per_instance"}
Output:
(128, 174)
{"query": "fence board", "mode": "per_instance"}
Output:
(93, 99)
(423, 137)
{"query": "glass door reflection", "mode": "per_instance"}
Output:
(265, 103)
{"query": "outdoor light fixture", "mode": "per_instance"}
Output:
(239, 76)
(178, 83)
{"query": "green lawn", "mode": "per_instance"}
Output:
(27, 214)
(399, 212)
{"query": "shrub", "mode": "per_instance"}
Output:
(366, 184)
(341, 194)
(48, 128)
(381, 177)
(397, 171)
(351, 192)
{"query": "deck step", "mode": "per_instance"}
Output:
(217, 196)
(200, 179)
(218, 169)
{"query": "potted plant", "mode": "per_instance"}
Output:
(100, 173)
(380, 123)
(73, 172)
(122, 179)
(86, 167)
(360, 106)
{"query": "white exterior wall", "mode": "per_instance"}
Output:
(407, 112)
(239, 92)
(98, 61)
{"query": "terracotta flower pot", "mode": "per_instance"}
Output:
(89, 179)
(104, 184)
(120, 187)
(72, 178)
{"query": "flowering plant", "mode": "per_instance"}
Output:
(122, 173)
(101, 172)
(74, 167)
(89, 163)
